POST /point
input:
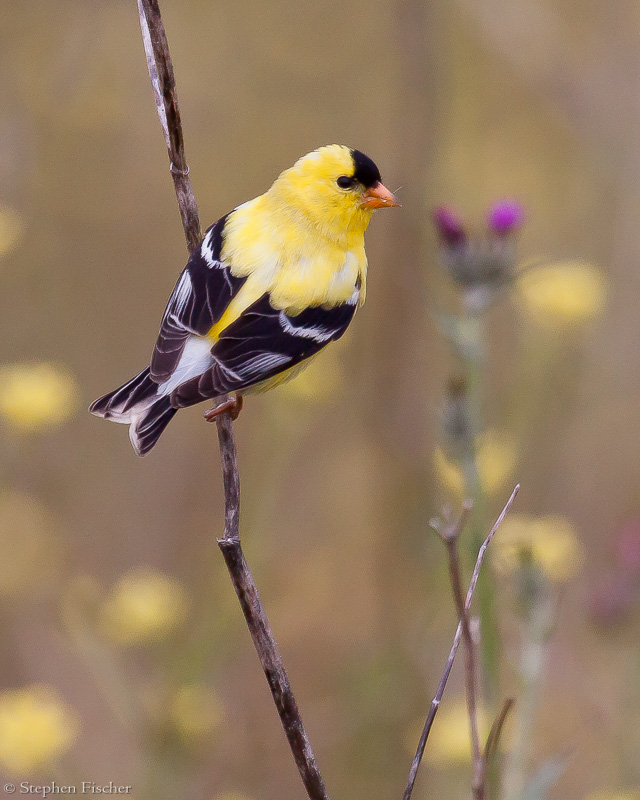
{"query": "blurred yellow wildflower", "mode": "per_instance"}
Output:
(11, 229)
(563, 293)
(497, 456)
(34, 396)
(28, 552)
(196, 710)
(450, 739)
(36, 728)
(551, 542)
(628, 794)
(144, 606)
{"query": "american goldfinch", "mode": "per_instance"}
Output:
(270, 285)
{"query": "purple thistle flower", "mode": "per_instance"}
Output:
(504, 217)
(449, 226)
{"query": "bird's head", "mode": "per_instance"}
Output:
(335, 188)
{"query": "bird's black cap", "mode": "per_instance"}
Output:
(366, 171)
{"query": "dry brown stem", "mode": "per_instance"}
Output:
(164, 88)
(450, 536)
(493, 739)
(435, 703)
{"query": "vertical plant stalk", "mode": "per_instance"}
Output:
(532, 665)
(435, 703)
(493, 740)
(451, 537)
(474, 359)
(164, 89)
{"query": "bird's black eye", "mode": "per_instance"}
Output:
(344, 182)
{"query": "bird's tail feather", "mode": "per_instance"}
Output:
(121, 404)
(146, 428)
(137, 404)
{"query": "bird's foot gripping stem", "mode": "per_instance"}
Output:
(233, 405)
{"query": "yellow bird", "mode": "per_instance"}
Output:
(270, 285)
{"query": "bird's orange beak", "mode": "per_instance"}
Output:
(378, 196)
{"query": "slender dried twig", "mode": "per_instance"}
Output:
(162, 80)
(493, 739)
(450, 536)
(164, 90)
(435, 703)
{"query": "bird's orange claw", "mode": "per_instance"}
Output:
(233, 406)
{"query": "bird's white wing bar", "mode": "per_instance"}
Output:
(262, 343)
(210, 251)
(260, 364)
(207, 250)
(320, 335)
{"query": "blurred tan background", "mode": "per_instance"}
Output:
(125, 656)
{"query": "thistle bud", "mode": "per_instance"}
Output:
(505, 217)
(449, 226)
(481, 265)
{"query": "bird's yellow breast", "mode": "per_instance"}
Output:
(283, 255)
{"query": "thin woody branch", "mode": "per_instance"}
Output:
(164, 89)
(435, 703)
(450, 536)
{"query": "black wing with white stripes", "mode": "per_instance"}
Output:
(202, 293)
(262, 343)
